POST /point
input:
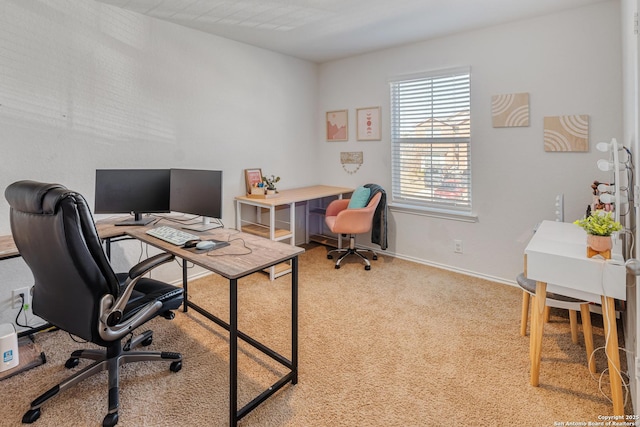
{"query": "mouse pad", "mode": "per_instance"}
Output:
(219, 244)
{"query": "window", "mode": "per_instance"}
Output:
(430, 136)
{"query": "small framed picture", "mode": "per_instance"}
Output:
(368, 120)
(337, 125)
(252, 177)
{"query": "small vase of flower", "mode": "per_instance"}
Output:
(599, 227)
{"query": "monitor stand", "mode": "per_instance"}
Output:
(136, 220)
(204, 226)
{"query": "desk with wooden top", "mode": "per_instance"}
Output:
(264, 254)
(8, 248)
(284, 198)
(556, 258)
(107, 230)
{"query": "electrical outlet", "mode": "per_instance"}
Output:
(457, 246)
(16, 301)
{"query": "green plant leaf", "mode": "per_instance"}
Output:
(599, 223)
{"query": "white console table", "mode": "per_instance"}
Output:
(556, 259)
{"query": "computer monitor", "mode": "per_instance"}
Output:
(135, 191)
(197, 192)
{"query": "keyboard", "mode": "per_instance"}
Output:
(172, 235)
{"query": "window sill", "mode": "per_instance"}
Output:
(434, 213)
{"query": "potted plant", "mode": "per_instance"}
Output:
(270, 182)
(599, 227)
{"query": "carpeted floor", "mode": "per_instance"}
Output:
(400, 345)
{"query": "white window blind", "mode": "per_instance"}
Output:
(430, 138)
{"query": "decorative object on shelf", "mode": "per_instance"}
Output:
(253, 177)
(351, 158)
(566, 133)
(270, 183)
(337, 125)
(599, 227)
(510, 110)
(368, 124)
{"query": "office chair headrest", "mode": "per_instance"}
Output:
(34, 197)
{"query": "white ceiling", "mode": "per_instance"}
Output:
(323, 30)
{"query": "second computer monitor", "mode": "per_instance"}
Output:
(197, 192)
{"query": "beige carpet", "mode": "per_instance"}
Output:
(400, 345)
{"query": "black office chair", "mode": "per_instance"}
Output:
(77, 291)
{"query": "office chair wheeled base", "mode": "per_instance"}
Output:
(110, 360)
(352, 250)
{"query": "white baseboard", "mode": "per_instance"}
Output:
(445, 267)
(404, 257)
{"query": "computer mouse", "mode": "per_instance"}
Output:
(205, 244)
(191, 243)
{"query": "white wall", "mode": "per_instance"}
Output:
(569, 63)
(86, 86)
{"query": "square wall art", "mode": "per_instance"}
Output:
(566, 133)
(510, 110)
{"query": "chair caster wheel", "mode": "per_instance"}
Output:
(169, 315)
(31, 416)
(337, 267)
(175, 366)
(367, 267)
(329, 256)
(375, 257)
(110, 420)
(147, 342)
(71, 362)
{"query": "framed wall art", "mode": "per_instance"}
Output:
(368, 120)
(566, 133)
(337, 125)
(510, 110)
(252, 177)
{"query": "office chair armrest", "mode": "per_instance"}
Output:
(112, 310)
(149, 264)
(336, 206)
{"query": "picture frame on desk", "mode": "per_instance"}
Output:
(252, 177)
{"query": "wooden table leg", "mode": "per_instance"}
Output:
(524, 316)
(613, 355)
(537, 325)
(587, 331)
(573, 321)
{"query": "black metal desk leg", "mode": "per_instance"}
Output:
(294, 320)
(233, 349)
(184, 286)
(107, 244)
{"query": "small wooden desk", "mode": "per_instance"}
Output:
(265, 253)
(557, 253)
(284, 198)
